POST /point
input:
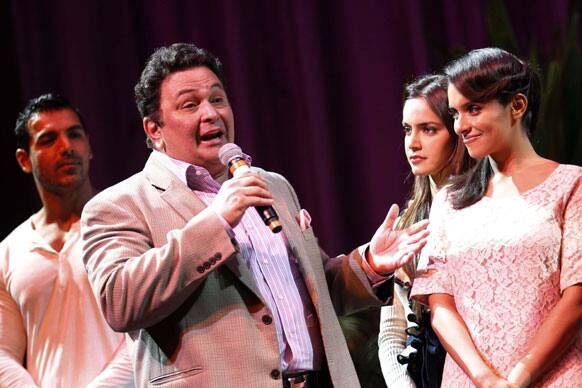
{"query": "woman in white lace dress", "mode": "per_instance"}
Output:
(503, 265)
(434, 153)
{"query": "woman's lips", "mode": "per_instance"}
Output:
(471, 138)
(414, 159)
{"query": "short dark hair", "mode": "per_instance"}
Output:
(163, 62)
(44, 103)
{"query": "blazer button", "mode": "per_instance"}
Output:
(267, 320)
(275, 374)
(207, 265)
(200, 269)
(218, 255)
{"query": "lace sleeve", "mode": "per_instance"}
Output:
(571, 263)
(432, 272)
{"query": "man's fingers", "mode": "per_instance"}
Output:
(248, 179)
(259, 201)
(255, 191)
(415, 228)
(390, 217)
(251, 196)
(419, 235)
(414, 248)
(405, 259)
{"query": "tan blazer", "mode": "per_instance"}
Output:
(165, 271)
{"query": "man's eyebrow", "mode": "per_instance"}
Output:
(75, 127)
(216, 85)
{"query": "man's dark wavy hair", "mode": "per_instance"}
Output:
(163, 62)
(44, 103)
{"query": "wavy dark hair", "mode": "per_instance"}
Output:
(163, 62)
(481, 76)
(433, 89)
(44, 103)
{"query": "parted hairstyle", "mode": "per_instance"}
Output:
(481, 76)
(43, 103)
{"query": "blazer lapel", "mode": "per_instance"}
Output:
(176, 194)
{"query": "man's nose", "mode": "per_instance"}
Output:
(65, 144)
(209, 113)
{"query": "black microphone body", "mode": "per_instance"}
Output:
(231, 156)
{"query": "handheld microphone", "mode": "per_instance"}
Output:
(231, 156)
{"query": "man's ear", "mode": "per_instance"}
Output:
(90, 148)
(518, 106)
(23, 159)
(153, 132)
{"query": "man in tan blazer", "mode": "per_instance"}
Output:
(207, 295)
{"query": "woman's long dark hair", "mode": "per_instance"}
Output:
(433, 89)
(481, 76)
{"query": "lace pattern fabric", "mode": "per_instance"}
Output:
(506, 262)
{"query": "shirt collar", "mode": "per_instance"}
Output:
(39, 243)
(179, 167)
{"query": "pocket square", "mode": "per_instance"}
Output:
(303, 219)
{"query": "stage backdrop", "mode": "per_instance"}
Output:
(316, 86)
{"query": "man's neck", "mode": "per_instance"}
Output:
(218, 172)
(59, 213)
(63, 208)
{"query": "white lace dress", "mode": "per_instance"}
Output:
(506, 262)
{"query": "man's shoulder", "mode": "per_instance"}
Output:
(271, 176)
(121, 191)
(279, 186)
(16, 238)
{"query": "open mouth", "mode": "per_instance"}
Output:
(211, 136)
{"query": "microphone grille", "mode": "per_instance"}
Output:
(228, 152)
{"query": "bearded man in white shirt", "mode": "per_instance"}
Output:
(52, 332)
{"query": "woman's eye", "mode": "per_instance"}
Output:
(473, 109)
(430, 130)
(406, 130)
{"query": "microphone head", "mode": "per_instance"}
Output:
(228, 152)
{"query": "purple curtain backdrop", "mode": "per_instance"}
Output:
(316, 86)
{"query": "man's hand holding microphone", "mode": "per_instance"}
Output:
(243, 190)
